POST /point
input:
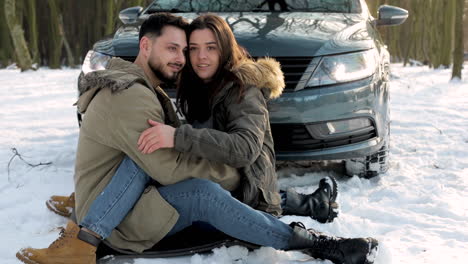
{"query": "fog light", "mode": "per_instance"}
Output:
(344, 126)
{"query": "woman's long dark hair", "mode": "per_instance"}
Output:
(194, 97)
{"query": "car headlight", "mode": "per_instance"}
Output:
(95, 61)
(344, 68)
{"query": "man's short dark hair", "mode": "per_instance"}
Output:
(152, 27)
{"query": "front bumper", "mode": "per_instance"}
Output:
(336, 153)
(293, 114)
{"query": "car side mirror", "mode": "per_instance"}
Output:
(130, 15)
(391, 15)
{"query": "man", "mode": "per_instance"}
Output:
(118, 102)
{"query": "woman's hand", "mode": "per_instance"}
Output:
(156, 137)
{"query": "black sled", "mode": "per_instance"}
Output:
(190, 241)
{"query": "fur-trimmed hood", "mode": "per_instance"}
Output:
(119, 75)
(264, 73)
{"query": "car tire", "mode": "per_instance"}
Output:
(369, 166)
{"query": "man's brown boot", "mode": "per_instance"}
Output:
(62, 205)
(68, 248)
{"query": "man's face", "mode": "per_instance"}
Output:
(167, 58)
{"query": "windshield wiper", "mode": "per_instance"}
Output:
(319, 9)
(172, 10)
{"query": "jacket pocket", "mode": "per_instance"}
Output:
(270, 202)
(249, 191)
(146, 224)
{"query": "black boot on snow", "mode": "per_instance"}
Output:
(337, 249)
(320, 205)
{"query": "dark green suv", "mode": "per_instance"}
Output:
(336, 102)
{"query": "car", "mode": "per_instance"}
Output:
(336, 102)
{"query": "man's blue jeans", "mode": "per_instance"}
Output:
(196, 200)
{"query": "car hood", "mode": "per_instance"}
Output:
(274, 34)
(300, 34)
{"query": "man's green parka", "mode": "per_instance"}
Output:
(117, 104)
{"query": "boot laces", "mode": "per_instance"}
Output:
(59, 241)
(327, 245)
(323, 245)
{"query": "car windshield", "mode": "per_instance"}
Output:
(180, 6)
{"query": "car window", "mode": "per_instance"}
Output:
(335, 6)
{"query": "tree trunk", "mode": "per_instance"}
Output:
(55, 36)
(447, 36)
(32, 30)
(458, 50)
(437, 39)
(373, 6)
(110, 10)
(6, 49)
(17, 35)
(426, 35)
(99, 21)
(72, 30)
(465, 28)
(70, 59)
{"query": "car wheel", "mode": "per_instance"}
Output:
(369, 166)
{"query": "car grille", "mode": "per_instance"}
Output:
(293, 69)
(296, 137)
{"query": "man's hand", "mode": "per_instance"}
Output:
(156, 137)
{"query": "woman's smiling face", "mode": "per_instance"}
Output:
(204, 53)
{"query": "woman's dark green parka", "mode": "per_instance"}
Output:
(241, 135)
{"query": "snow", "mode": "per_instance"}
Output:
(418, 210)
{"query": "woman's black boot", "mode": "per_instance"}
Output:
(336, 249)
(321, 205)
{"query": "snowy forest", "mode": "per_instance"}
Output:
(417, 209)
(55, 33)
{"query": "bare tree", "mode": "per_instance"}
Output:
(447, 33)
(465, 28)
(458, 50)
(55, 35)
(110, 22)
(32, 30)
(6, 49)
(17, 35)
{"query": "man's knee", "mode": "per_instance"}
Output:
(129, 167)
(128, 164)
(203, 184)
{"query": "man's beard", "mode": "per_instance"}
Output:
(157, 70)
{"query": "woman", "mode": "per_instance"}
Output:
(231, 100)
(222, 89)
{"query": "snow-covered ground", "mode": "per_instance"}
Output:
(418, 210)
